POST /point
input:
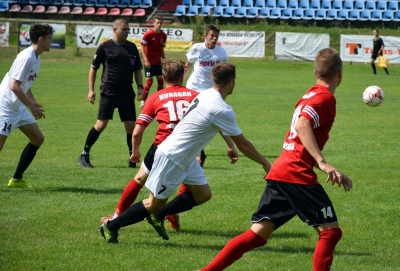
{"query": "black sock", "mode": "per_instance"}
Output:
(183, 202)
(386, 70)
(373, 67)
(92, 137)
(129, 142)
(25, 160)
(134, 214)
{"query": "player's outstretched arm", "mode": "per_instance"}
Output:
(232, 152)
(137, 136)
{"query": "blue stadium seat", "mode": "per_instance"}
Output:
(320, 14)
(192, 11)
(315, 4)
(199, 3)
(376, 15)
(381, 5)
(365, 15)
(264, 13)
(45, 2)
(241, 12)
(354, 15)
(287, 13)
(101, 3)
(337, 4)
(393, 5)
(212, 3)
(187, 3)
(342, 15)
(348, 4)
(359, 5)
(205, 11)
(397, 16)
(180, 10)
(229, 12)
(79, 3)
(236, 3)
(282, 4)
(68, 2)
(124, 3)
(260, 4)
(252, 12)
(309, 14)
(146, 4)
(224, 3)
(293, 4)
(4, 6)
(331, 14)
(304, 4)
(111, 3)
(326, 4)
(248, 3)
(275, 13)
(370, 5)
(298, 14)
(23, 2)
(33, 2)
(218, 11)
(388, 15)
(90, 3)
(134, 3)
(270, 4)
(57, 2)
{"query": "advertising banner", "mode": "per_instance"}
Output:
(4, 33)
(243, 43)
(358, 48)
(59, 32)
(299, 46)
(89, 36)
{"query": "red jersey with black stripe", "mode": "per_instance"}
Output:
(167, 106)
(154, 45)
(295, 164)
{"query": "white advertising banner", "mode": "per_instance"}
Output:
(299, 46)
(4, 33)
(89, 36)
(243, 43)
(358, 48)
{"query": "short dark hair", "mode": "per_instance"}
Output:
(223, 73)
(172, 70)
(118, 22)
(39, 30)
(212, 27)
(158, 17)
(327, 63)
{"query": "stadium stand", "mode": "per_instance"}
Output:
(381, 5)
(293, 4)
(91, 3)
(114, 12)
(77, 10)
(397, 16)
(218, 11)
(146, 4)
(248, 4)
(124, 3)
(241, 12)
(80, 2)
(376, 15)
(309, 14)
(320, 14)
(205, 11)
(27, 8)
(326, 4)
(359, 5)
(58, 2)
(101, 11)
(34, 2)
(198, 3)
(304, 4)
(298, 14)
(89, 11)
(235, 3)
(275, 13)
(64, 10)
(4, 6)
(180, 10)
(101, 3)
(52, 9)
(212, 3)
(135, 3)
(139, 12)
(252, 13)
(69, 2)
(331, 14)
(282, 4)
(342, 15)
(388, 15)
(271, 4)
(187, 3)
(111, 3)
(354, 15)
(393, 5)
(370, 5)
(229, 12)
(15, 8)
(260, 4)
(264, 13)
(315, 4)
(365, 15)
(39, 9)
(45, 2)
(348, 4)
(224, 3)
(127, 12)
(337, 4)
(192, 11)
(287, 13)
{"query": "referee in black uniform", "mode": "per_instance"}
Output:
(121, 60)
(377, 51)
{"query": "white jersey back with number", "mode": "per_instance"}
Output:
(207, 115)
(204, 60)
(24, 69)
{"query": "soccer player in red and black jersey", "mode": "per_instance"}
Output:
(152, 49)
(292, 186)
(167, 106)
(121, 61)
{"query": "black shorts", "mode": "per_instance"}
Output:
(375, 55)
(155, 70)
(149, 158)
(124, 103)
(281, 201)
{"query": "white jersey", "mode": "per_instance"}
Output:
(207, 115)
(25, 69)
(204, 60)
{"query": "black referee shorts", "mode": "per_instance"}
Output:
(281, 201)
(124, 103)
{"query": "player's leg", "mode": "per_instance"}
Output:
(127, 113)
(329, 236)
(373, 58)
(174, 219)
(149, 83)
(158, 73)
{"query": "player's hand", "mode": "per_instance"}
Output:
(135, 157)
(147, 64)
(334, 176)
(37, 110)
(140, 94)
(91, 97)
(233, 155)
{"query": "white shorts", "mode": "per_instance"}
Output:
(165, 176)
(9, 122)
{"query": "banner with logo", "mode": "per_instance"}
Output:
(4, 33)
(243, 43)
(299, 46)
(89, 36)
(358, 48)
(59, 32)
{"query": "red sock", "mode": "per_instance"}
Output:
(183, 189)
(234, 250)
(160, 84)
(128, 196)
(146, 89)
(323, 254)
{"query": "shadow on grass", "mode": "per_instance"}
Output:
(67, 189)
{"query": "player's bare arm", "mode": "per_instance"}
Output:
(144, 57)
(137, 136)
(188, 65)
(92, 79)
(139, 82)
(247, 148)
(232, 153)
(27, 99)
(29, 94)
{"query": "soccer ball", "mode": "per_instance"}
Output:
(373, 96)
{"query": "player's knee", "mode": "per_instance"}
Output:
(38, 140)
(334, 234)
(203, 197)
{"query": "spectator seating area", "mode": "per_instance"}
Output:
(351, 10)
(135, 8)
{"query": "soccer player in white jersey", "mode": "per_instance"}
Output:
(16, 93)
(204, 56)
(175, 158)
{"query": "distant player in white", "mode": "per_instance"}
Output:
(15, 94)
(204, 56)
(175, 159)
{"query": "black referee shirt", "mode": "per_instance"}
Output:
(119, 62)
(377, 44)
